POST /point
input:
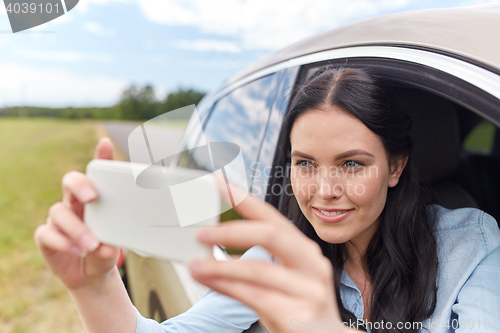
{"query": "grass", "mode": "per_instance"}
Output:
(480, 138)
(179, 124)
(34, 155)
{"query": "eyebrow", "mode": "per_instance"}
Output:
(353, 152)
(346, 154)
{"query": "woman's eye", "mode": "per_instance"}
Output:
(351, 164)
(304, 163)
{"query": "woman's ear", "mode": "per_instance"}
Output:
(397, 167)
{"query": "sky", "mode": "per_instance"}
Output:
(88, 56)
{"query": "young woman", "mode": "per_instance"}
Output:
(365, 245)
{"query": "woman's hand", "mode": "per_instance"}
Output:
(67, 245)
(300, 290)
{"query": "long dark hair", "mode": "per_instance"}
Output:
(402, 257)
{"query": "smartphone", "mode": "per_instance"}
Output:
(151, 209)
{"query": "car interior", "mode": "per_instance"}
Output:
(460, 177)
(456, 149)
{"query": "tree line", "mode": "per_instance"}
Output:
(134, 104)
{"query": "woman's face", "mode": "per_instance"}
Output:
(340, 175)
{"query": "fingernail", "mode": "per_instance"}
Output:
(87, 194)
(205, 235)
(89, 242)
(196, 265)
(104, 138)
(78, 251)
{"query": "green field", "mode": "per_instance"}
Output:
(481, 138)
(34, 155)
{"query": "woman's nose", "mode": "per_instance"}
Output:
(329, 188)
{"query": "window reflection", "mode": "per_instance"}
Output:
(239, 118)
(262, 170)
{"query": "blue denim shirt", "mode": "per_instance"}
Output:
(468, 297)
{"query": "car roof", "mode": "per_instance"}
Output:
(469, 32)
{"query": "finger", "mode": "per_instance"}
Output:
(103, 256)
(275, 309)
(250, 207)
(265, 302)
(263, 274)
(104, 149)
(49, 239)
(77, 190)
(105, 251)
(72, 226)
(284, 242)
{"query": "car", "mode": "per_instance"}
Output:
(443, 67)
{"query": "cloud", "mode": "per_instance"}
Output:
(156, 58)
(148, 44)
(212, 64)
(5, 40)
(97, 29)
(262, 24)
(62, 19)
(208, 45)
(83, 5)
(467, 3)
(21, 84)
(479, 2)
(63, 56)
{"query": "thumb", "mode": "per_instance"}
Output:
(246, 204)
(104, 149)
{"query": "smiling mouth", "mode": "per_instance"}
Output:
(332, 215)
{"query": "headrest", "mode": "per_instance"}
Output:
(435, 133)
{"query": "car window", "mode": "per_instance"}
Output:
(262, 169)
(239, 117)
(480, 138)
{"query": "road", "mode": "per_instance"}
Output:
(120, 130)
